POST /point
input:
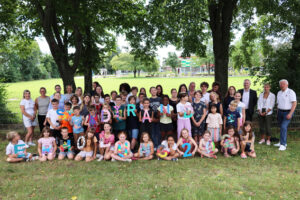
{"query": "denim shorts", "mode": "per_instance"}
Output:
(66, 153)
(134, 133)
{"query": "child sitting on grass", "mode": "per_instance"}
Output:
(65, 145)
(206, 146)
(122, 150)
(230, 142)
(89, 149)
(46, 145)
(106, 143)
(16, 148)
(247, 141)
(186, 138)
(146, 149)
(168, 150)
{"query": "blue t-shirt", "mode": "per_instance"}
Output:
(77, 124)
(232, 118)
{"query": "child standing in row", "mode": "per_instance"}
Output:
(155, 102)
(119, 116)
(132, 121)
(214, 124)
(146, 117)
(166, 113)
(77, 123)
(232, 117)
(92, 121)
(185, 112)
(52, 119)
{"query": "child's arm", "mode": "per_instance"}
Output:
(140, 117)
(195, 145)
(152, 116)
(193, 120)
(116, 148)
(224, 122)
(152, 148)
(203, 116)
(54, 147)
(25, 113)
(95, 147)
(244, 115)
(238, 124)
(86, 121)
(201, 146)
(222, 143)
(49, 121)
(71, 122)
(237, 143)
(221, 109)
(179, 143)
(180, 114)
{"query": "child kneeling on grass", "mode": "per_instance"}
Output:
(16, 148)
(230, 142)
(66, 145)
(46, 145)
(89, 149)
(185, 138)
(122, 150)
(146, 149)
(106, 143)
(168, 150)
(206, 146)
(247, 141)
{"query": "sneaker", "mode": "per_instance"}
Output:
(174, 159)
(128, 160)
(282, 148)
(98, 155)
(34, 158)
(100, 158)
(268, 142)
(31, 144)
(159, 158)
(113, 160)
(26, 145)
(277, 145)
(262, 141)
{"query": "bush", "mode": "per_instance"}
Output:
(6, 116)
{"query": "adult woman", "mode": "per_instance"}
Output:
(173, 102)
(74, 101)
(28, 110)
(160, 92)
(228, 98)
(265, 105)
(143, 90)
(99, 91)
(78, 93)
(95, 84)
(191, 91)
(61, 104)
(86, 103)
(41, 104)
(215, 100)
(182, 89)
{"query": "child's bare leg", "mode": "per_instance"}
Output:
(43, 158)
(76, 136)
(133, 143)
(234, 151)
(61, 156)
(147, 158)
(243, 146)
(88, 159)
(116, 157)
(78, 158)
(70, 156)
(50, 156)
(14, 160)
(107, 155)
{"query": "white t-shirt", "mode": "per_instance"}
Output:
(183, 108)
(285, 99)
(29, 106)
(166, 147)
(205, 98)
(214, 120)
(52, 114)
(246, 96)
(10, 148)
(240, 108)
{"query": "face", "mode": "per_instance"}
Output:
(69, 89)
(98, 90)
(158, 90)
(113, 95)
(237, 96)
(64, 133)
(231, 91)
(247, 128)
(46, 134)
(56, 96)
(58, 89)
(203, 88)
(42, 92)
(141, 98)
(153, 91)
(232, 107)
(76, 112)
(54, 105)
(143, 90)
(107, 128)
(213, 109)
(198, 96)
(118, 101)
(90, 135)
(97, 99)
(212, 96)
(124, 97)
(134, 92)
(174, 93)
(67, 108)
(206, 136)
(216, 88)
(105, 107)
(122, 138)
(246, 84)
(107, 99)
(165, 101)
(185, 134)
(145, 138)
(283, 85)
(231, 132)
(78, 92)
(182, 89)
(267, 88)
(171, 141)
(27, 95)
(132, 101)
(92, 112)
(192, 86)
(146, 104)
(74, 101)
(87, 99)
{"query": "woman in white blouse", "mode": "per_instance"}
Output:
(265, 105)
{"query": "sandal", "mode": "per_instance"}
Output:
(243, 155)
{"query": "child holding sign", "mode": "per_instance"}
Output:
(207, 147)
(185, 112)
(166, 113)
(230, 142)
(88, 146)
(145, 117)
(119, 116)
(46, 145)
(106, 143)
(168, 150)
(92, 121)
(132, 121)
(16, 149)
(186, 144)
(122, 149)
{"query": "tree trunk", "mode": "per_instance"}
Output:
(139, 73)
(68, 79)
(221, 14)
(88, 61)
(134, 72)
(88, 80)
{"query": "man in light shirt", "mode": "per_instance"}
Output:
(249, 98)
(286, 105)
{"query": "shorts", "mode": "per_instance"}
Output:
(25, 156)
(166, 127)
(48, 154)
(28, 122)
(133, 133)
(84, 154)
(66, 153)
(112, 147)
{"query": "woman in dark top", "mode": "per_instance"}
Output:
(228, 98)
(182, 89)
(160, 92)
(95, 84)
(173, 102)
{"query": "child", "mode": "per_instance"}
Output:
(139, 105)
(108, 101)
(134, 91)
(122, 149)
(92, 121)
(240, 108)
(113, 95)
(185, 138)
(198, 119)
(230, 142)
(46, 146)
(185, 112)
(88, 151)
(97, 104)
(166, 113)
(77, 123)
(232, 117)
(119, 117)
(123, 98)
(146, 117)
(155, 102)
(65, 118)
(168, 150)
(205, 95)
(146, 149)
(214, 124)
(106, 115)
(215, 100)
(16, 148)
(52, 119)
(74, 100)
(65, 145)
(107, 142)
(206, 146)
(247, 141)
(132, 123)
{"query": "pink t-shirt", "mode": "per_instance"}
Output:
(110, 140)
(47, 144)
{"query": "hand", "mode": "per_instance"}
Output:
(181, 153)
(193, 153)
(289, 116)
(44, 123)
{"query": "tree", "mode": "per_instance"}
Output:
(173, 61)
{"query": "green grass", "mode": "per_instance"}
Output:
(272, 175)
(15, 90)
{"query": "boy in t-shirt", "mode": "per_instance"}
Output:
(119, 117)
(65, 145)
(155, 102)
(16, 149)
(232, 116)
(66, 117)
(52, 119)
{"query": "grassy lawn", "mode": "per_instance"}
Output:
(272, 175)
(15, 90)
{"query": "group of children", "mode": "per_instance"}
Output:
(149, 125)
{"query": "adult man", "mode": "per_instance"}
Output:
(286, 105)
(57, 89)
(249, 98)
(69, 93)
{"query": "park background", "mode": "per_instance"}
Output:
(145, 43)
